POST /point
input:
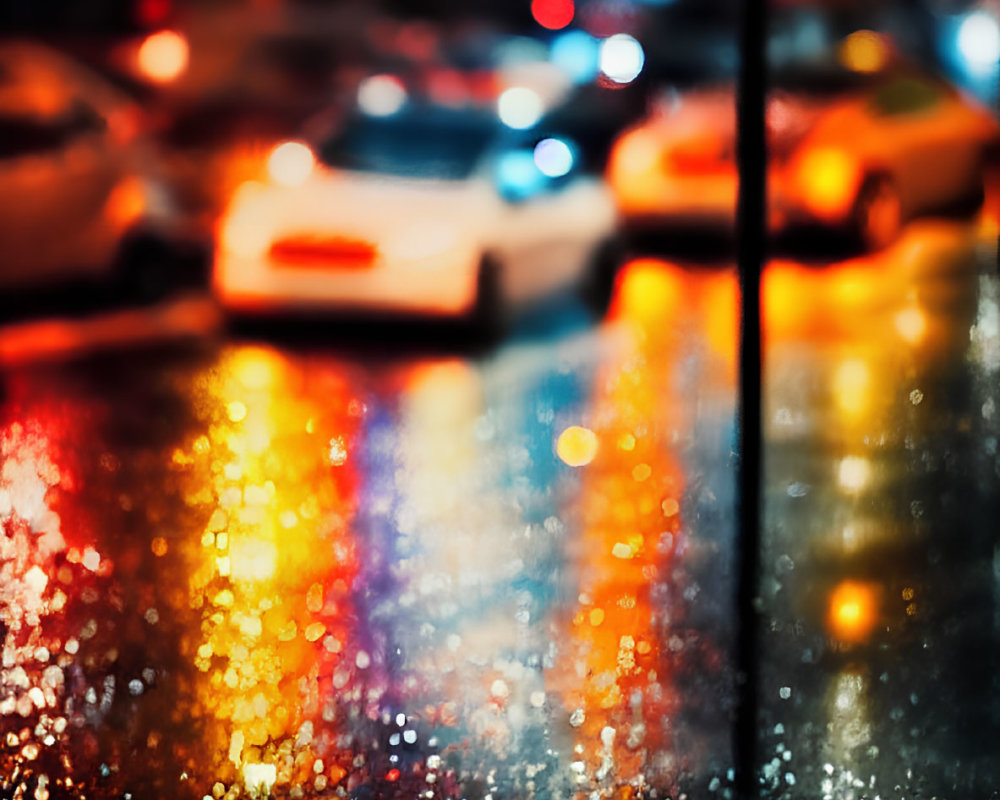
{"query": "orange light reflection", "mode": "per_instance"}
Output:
(853, 611)
(617, 683)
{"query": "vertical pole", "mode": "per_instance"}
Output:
(751, 222)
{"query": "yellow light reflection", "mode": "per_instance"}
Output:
(783, 310)
(854, 473)
(274, 617)
(853, 611)
(252, 559)
(851, 385)
(911, 324)
(647, 293)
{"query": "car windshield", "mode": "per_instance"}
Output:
(442, 144)
(819, 79)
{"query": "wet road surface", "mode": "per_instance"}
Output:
(241, 567)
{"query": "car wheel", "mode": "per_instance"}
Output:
(598, 283)
(878, 212)
(144, 272)
(486, 319)
(971, 202)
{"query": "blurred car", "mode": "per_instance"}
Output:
(860, 154)
(416, 209)
(80, 202)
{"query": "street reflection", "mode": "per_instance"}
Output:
(272, 569)
(870, 418)
(627, 628)
(269, 572)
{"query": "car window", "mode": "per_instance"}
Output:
(906, 96)
(25, 135)
(28, 134)
(446, 146)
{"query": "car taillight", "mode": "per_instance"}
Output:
(340, 251)
(828, 179)
(704, 155)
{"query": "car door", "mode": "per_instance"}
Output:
(934, 154)
(548, 233)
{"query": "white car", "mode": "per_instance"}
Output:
(77, 195)
(428, 211)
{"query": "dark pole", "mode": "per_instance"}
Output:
(751, 239)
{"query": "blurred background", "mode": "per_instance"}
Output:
(368, 400)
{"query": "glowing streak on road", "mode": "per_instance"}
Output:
(272, 567)
(616, 685)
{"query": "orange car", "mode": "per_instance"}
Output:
(862, 154)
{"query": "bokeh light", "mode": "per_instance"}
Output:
(519, 107)
(381, 95)
(576, 54)
(621, 58)
(290, 163)
(979, 41)
(864, 51)
(853, 473)
(553, 14)
(163, 56)
(577, 446)
(911, 323)
(553, 157)
(517, 175)
(853, 611)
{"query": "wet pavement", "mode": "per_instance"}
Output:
(240, 566)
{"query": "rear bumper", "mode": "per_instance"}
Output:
(260, 287)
